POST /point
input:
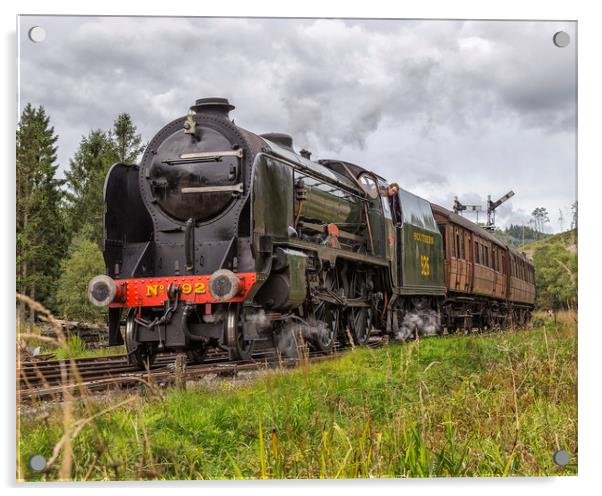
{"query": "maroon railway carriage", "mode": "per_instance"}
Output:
(489, 284)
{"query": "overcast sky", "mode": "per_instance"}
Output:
(444, 108)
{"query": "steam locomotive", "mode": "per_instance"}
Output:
(224, 238)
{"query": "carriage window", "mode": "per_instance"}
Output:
(477, 257)
(456, 243)
(462, 256)
(522, 270)
(485, 256)
(368, 185)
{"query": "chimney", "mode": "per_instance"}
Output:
(214, 105)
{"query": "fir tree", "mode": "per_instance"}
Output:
(85, 177)
(40, 230)
(88, 169)
(128, 144)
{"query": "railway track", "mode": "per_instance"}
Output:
(35, 373)
(51, 379)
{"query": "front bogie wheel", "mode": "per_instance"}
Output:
(141, 355)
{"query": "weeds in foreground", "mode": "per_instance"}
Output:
(480, 405)
(73, 346)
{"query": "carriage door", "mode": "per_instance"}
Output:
(493, 264)
(470, 261)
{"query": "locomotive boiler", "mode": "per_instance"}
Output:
(222, 238)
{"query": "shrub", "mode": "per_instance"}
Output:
(555, 276)
(84, 262)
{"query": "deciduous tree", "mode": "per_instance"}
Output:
(555, 276)
(540, 217)
(83, 263)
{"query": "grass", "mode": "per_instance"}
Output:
(479, 405)
(568, 239)
(74, 346)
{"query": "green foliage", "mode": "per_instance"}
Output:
(555, 276)
(84, 262)
(88, 169)
(77, 348)
(568, 239)
(479, 405)
(128, 145)
(48, 217)
(574, 214)
(85, 177)
(540, 218)
(516, 233)
(40, 230)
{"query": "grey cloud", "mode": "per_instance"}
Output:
(435, 105)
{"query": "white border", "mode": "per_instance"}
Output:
(590, 162)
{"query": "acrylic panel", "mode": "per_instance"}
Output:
(266, 248)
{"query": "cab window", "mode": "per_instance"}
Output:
(368, 185)
(386, 207)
